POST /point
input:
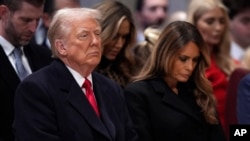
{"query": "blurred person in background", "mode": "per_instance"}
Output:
(239, 14)
(50, 7)
(211, 19)
(232, 90)
(177, 16)
(18, 58)
(243, 96)
(143, 49)
(118, 40)
(150, 13)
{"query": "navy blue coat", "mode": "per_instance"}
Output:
(243, 100)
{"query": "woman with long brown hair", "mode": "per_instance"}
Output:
(171, 98)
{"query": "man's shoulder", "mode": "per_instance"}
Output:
(38, 54)
(103, 79)
(245, 81)
(37, 49)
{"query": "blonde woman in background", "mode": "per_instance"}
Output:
(211, 19)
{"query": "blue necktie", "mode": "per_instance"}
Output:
(21, 71)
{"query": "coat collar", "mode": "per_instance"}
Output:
(170, 98)
(7, 71)
(80, 103)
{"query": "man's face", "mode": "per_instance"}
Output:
(154, 12)
(240, 28)
(83, 44)
(20, 25)
(59, 4)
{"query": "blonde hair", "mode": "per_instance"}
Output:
(221, 53)
(143, 49)
(115, 13)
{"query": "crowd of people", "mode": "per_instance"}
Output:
(107, 73)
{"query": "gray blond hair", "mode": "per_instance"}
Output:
(61, 23)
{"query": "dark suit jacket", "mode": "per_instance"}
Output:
(231, 97)
(160, 115)
(50, 106)
(243, 96)
(38, 57)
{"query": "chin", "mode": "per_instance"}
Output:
(24, 43)
(111, 58)
(183, 80)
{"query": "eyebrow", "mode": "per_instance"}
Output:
(84, 29)
(189, 56)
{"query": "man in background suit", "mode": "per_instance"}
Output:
(52, 104)
(50, 7)
(231, 97)
(150, 13)
(18, 22)
(243, 96)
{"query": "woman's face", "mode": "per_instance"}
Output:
(212, 25)
(184, 63)
(112, 49)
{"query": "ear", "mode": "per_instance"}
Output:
(4, 10)
(60, 47)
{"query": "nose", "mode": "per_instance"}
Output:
(218, 26)
(33, 25)
(190, 65)
(161, 12)
(120, 41)
(95, 39)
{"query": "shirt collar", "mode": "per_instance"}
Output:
(77, 76)
(7, 46)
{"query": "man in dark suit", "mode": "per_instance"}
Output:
(231, 97)
(243, 96)
(18, 22)
(52, 104)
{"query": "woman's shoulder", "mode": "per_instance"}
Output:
(146, 85)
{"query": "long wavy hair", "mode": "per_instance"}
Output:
(222, 52)
(115, 12)
(172, 39)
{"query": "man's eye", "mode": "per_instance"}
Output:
(84, 35)
(98, 34)
(26, 20)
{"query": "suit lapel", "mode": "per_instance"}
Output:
(7, 71)
(81, 104)
(100, 95)
(77, 99)
(170, 98)
(27, 53)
